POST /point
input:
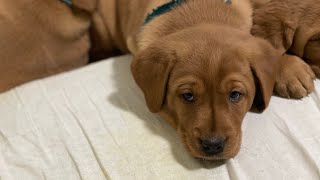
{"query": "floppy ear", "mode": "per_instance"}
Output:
(264, 67)
(151, 70)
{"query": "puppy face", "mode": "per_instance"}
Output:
(203, 81)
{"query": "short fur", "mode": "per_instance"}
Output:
(40, 38)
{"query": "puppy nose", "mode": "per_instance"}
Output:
(212, 146)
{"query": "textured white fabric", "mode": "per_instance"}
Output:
(93, 123)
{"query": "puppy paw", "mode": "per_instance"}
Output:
(295, 78)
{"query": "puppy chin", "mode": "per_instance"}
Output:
(219, 157)
(230, 152)
(222, 156)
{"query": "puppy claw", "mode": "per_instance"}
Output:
(282, 90)
(297, 90)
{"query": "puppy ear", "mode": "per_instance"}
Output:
(264, 67)
(151, 70)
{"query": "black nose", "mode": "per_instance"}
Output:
(212, 146)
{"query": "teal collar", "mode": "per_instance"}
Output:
(68, 2)
(166, 8)
(163, 9)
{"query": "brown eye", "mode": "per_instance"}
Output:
(188, 97)
(235, 96)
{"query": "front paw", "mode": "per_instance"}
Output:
(295, 78)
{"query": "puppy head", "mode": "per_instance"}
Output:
(203, 81)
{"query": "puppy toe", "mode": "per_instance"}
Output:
(296, 89)
(282, 90)
(307, 83)
(310, 72)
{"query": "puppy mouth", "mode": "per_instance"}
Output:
(229, 152)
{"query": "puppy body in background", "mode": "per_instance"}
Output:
(41, 38)
(293, 27)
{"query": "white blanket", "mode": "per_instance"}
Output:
(92, 123)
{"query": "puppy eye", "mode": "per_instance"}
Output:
(235, 96)
(188, 97)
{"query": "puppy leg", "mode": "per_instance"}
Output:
(312, 55)
(316, 70)
(295, 78)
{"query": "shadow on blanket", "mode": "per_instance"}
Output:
(126, 86)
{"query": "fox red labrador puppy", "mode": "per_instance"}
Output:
(199, 68)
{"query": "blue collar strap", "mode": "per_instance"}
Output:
(68, 2)
(166, 8)
(163, 9)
